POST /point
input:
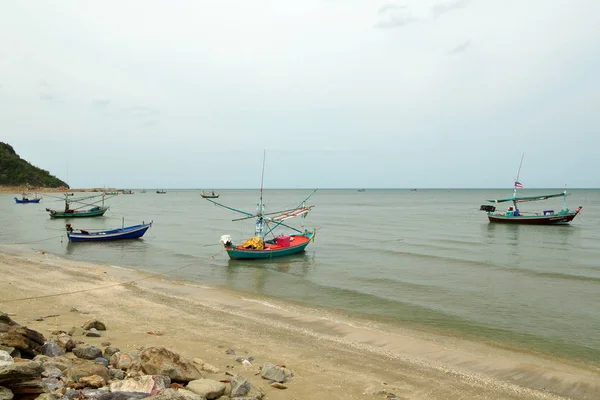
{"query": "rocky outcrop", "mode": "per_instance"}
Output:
(63, 368)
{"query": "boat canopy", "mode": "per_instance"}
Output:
(529, 198)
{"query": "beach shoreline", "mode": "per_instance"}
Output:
(333, 356)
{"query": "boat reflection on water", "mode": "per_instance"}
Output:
(264, 276)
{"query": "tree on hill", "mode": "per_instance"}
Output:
(15, 171)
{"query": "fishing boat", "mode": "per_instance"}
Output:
(128, 191)
(362, 190)
(259, 247)
(80, 212)
(161, 191)
(125, 232)
(513, 215)
(26, 200)
(209, 194)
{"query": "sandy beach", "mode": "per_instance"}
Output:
(332, 356)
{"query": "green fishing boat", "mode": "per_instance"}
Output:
(82, 211)
(513, 215)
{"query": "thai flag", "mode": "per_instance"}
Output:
(518, 185)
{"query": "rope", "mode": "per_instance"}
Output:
(35, 241)
(113, 285)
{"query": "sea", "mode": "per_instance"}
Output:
(427, 259)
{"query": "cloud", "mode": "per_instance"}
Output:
(100, 103)
(141, 111)
(389, 7)
(394, 16)
(448, 6)
(460, 48)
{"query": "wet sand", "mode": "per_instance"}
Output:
(333, 356)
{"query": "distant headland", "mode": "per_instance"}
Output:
(18, 173)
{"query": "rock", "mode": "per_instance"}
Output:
(125, 361)
(206, 366)
(87, 352)
(6, 393)
(116, 374)
(46, 396)
(93, 381)
(94, 324)
(160, 361)
(11, 351)
(65, 341)
(81, 368)
(6, 320)
(90, 393)
(278, 385)
(150, 384)
(123, 396)
(27, 341)
(275, 373)
(52, 349)
(74, 331)
(57, 332)
(189, 395)
(5, 359)
(240, 387)
(20, 372)
(207, 388)
(92, 333)
(28, 389)
(230, 351)
(109, 351)
(105, 344)
(102, 360)
(53, 384)
(168, 394)
(52, 372)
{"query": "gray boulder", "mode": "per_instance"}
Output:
(87, 352)
(52, 349)
(275, 373)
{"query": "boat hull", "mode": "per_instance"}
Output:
(130, 232)
(237, 253)
(209, 196)
(555, 219)
(78, 214)
(27, 201)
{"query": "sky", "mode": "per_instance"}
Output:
(339, 93)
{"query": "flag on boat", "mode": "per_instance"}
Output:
(518, 185)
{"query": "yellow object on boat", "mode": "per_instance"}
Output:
(254, 243)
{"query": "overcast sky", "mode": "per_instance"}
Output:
(341, 93)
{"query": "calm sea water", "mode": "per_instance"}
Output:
(427, 258)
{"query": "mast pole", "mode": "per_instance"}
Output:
(260, 222)
(262, 180)
(517, 180)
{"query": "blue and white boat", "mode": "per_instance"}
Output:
(126, 232)
(26, 200)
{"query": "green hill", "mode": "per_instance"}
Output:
(14, 171)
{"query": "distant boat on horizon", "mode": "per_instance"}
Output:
(161, 191)
(362, 190)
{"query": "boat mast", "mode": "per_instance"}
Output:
(259, 229)
(517, 180)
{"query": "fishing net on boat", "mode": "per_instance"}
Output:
(254, 243)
